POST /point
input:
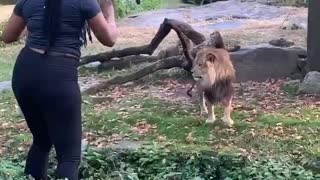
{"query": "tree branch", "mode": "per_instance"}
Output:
(167, 63)
(164, 30)
(126, 62)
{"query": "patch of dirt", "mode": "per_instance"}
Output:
(131, 37)
(5, 12)
(253, 33)
(8, 129)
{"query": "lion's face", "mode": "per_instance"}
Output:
(203, 69)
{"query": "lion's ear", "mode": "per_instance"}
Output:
(211, 57)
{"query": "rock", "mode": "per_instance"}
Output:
(223, 9)
(310, 84)
(128, 84)
(126, 145)
(291, 86)
(84, 146)
(295, 27)
(296, 76)
(301, 64)
(262, 62)
(92, 65)
(281, 42)
(301, 52)
(292, 26)
(101, 99)
(5, 85)
(299, 71)
(313, 165)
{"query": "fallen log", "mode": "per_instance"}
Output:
(164, 30)
(186, 35)
(126, 62)
(167, 63)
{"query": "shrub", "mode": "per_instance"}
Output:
(159, 163)
(10, 170)
(127, 7)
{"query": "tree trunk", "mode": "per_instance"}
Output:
(313, 36)
(167, 63)
(131, 56)
(126, 62)
(164, 30)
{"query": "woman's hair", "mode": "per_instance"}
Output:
(52, 23)
(52, 20)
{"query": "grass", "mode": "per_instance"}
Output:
(177, 125)
(171, 122)
(8, 57)
(6, 2)
(125, 8)
(283, 133)
(289, 133)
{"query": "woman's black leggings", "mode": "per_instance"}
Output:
(46, 88)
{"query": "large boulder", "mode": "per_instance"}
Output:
(310, 84)
(262, 62)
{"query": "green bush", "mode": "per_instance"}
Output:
(6, 2)
(159, 163)
(127, 7)
(10, 170)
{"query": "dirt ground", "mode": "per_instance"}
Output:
(133, 36)
(5, 12)
(253, 32)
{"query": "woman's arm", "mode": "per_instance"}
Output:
(13, 29)
(103, 24)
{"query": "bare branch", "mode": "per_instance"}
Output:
(167, 63)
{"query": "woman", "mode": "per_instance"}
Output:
(45, 81)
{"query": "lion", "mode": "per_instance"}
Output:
(214, 74)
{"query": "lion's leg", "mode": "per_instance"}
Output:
(211, 116)
(203, 107)
(227, 113)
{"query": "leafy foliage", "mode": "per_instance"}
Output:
(127, 7)
(10, 170)
(157, 163)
